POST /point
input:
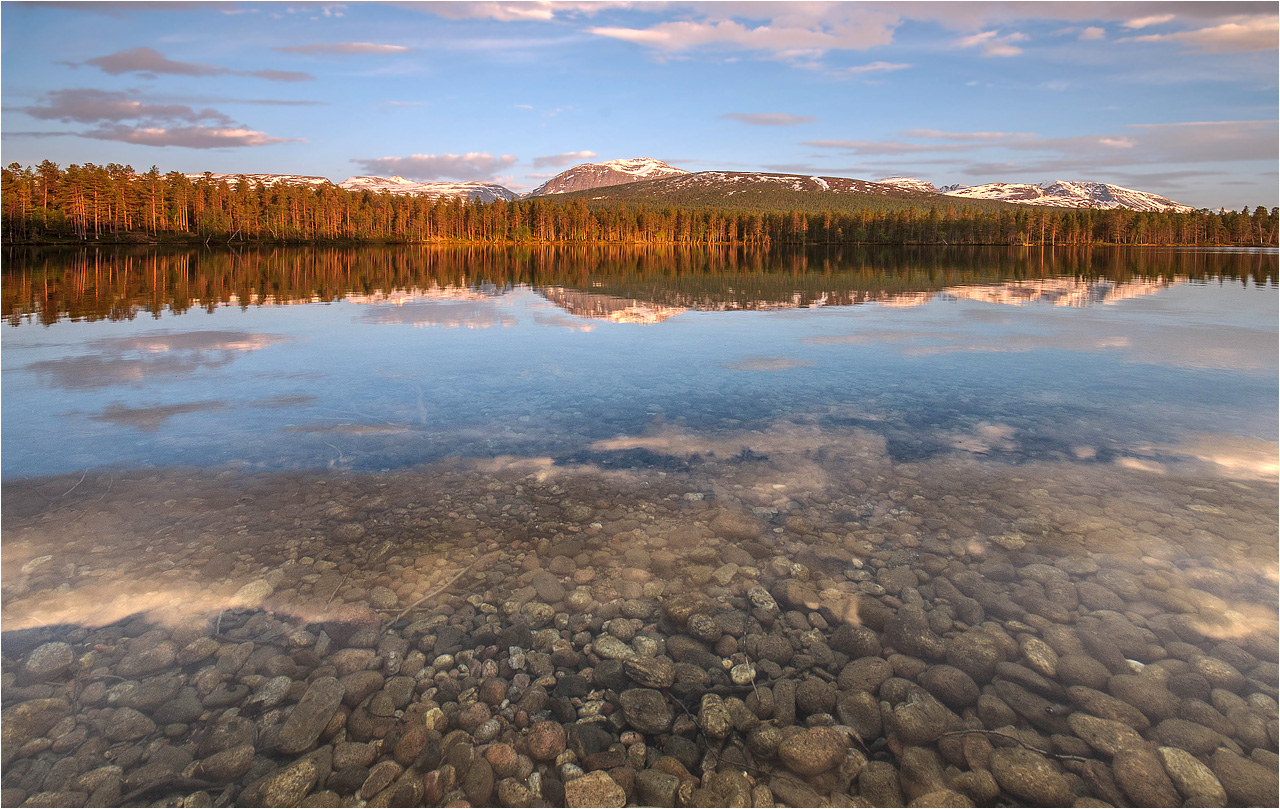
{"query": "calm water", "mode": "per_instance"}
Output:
(487, 360)
(898, 448)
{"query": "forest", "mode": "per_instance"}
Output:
(88, 203)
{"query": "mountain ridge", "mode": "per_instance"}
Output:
(660, 181)
(473, 191)
(1058, 194)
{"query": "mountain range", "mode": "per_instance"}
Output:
(653, 181)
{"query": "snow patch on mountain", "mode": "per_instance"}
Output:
(1059, 194)
(611, 172)
(473, 191)
(910, 183)
(264, 179)
(1072, 194)
(759, 180)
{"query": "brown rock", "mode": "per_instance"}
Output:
(813, 751)
(1142, 776)
(594, 789)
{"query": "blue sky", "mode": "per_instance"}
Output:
(1175, 98)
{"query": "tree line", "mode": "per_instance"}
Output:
(93, 282)
(114, 203)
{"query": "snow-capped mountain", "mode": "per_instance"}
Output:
(738, 182)
(1075, 194)
(1058, 194)
(598, 175)
(1061, 193)
(910, 183)
(475, 191)
(265, 179)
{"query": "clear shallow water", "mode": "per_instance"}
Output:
(560, 450)
(391, 377)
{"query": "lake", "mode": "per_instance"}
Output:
(821, 523)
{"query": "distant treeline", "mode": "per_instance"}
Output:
(45, 285)
(113, 203)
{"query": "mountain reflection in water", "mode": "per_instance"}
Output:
(421, 526)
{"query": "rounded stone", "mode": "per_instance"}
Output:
(950, 685)
(594, 789)
(1192, 779)
(647, 710)
(1104, 735)
(547, 740)
(47, 662)
(1246, 782)
(252, 595)
(311, 715)
(1030, 776)
(976, 654)
(1141, 774)
(1219, 673)
(920, 719)
(1080, 669)
(813, 751)
(1146, 694)
(127, 724)
(1196, 739)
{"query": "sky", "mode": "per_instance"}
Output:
(1179, 99)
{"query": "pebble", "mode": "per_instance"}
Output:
(311, 715)
(1030, 776)
(1193, 780)
(557, 676)
(813, 751)
(1246, 782)
(594, 789)
(647, 710)
(1104, 735)
(1141, 774)
(48, 662)
(547, 740)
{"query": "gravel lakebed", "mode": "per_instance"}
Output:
(761, 630)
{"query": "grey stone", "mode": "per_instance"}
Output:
(1246, 782)
(594, 789)
(813, 751)
(1030, 776)
(47, 662)
(1104, 735)
(311, 715)
(1192, 779)
(647, 710)
(1141, 774)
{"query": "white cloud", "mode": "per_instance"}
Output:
(537, 11)
(1253, 34)
(769, 118)
(992, 44)
(937, 134)
(872, 67)
(470, 166)
(343, 48)
(557, 160)
(1145, 22)
(191, 137)
(791, 31)
(1093, 32)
